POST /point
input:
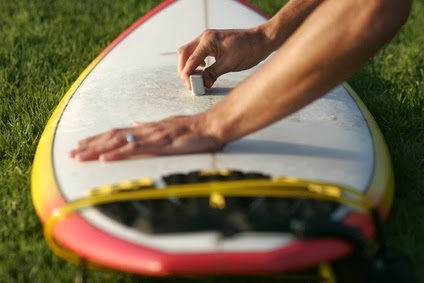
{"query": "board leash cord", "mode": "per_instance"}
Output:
(218, 186)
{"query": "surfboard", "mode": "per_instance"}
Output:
(237, 211)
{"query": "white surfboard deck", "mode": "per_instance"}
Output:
(136, 81)
(327, 141)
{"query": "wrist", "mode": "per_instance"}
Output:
(264, 39)
(216, 128)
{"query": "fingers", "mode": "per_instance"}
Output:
(193, 55)
(93, 147)
(151, 147)
(196, 59)
(147, 138)
(233, 50)
(183, 55)
(120, 153)
(174, 135)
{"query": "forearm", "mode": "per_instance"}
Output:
(281, 26)
(336, 39)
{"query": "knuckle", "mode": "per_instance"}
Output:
(115, 141)
(191, 59)
(181, 51)
(209, 35)
(212, 41)
(166, 139)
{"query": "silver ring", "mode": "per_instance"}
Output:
(130, 138)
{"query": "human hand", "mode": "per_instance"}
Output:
(233, 50)
(174, 135)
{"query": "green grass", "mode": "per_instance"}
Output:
(43, 49)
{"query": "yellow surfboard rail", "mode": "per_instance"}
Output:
(383, 178)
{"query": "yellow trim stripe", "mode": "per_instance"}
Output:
(280, 187)
(381, 187)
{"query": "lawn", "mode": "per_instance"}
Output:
(45, 45)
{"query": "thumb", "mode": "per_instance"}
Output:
(221, 66)
(209, 77)
(213, 72)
